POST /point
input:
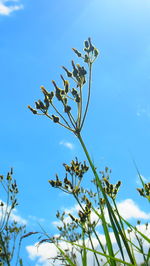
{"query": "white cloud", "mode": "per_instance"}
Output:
(13, 216)
(67, 144)
(36, 219)
(46, 251)
(7, 9)
(129, 209)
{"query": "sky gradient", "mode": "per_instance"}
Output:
(35, 41)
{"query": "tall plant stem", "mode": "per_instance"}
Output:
(108, 240)
(115, 224)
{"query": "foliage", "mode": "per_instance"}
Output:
(82, 232)
(10, 230)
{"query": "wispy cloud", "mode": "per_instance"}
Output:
(13, 216)
(46, 251)
(129, 209)
(67, 144)
(36, 219)
(7, 7)
(143, 111)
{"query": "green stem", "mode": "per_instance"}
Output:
(95, 255)
(71, 116)
(88, 232)
(89, 94)
(84, 256)
(110, 248)
(80, 108)
(93, 231)
(60, 115)
(112, 216)
(71, 119)
(69, 128)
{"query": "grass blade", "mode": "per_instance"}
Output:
(102, 254)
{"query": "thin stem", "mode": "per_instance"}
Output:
(142, 250)
(80, 108)
(92, 226)
(116, 209)
(60, 115)
(70, 97)
(78, 201)
(84, 256)
(95, 255)
(101, 245)
(89, 93)
(68, 192)
(69, 115)
(71, 119)
(69, 128)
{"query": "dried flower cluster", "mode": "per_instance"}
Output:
(84, 215)
(76, 170)
(110, 189)
(69, 95)
(145, 192)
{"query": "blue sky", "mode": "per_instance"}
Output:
(35, 41)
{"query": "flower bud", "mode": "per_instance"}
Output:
(41, 104)
(77, 52)
(46, 101)
(52, 183)
(81, 70)
(96, 52)
(54, 83)
(37, 105)
(86, 59)
(55, 119)
(77, 99)
(32, 110)
(67, 109)
(141, 191)
(75, 71)
(50, 96)
(44, 90)
(66, 85)
(86, 43)
(69, 74)
(1, 177)
(62, 79)
(74, 92)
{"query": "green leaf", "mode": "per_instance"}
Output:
(100, 253)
